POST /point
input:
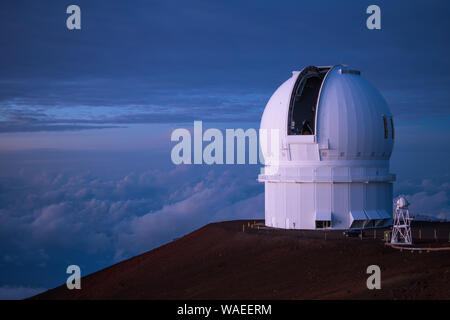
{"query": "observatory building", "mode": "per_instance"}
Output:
(328, 168)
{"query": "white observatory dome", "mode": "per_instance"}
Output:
(330, 165)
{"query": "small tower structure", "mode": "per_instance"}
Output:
(401, 228)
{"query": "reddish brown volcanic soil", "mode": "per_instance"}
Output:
(219, 261)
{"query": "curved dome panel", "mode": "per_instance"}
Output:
(353, 119)
(276, 112)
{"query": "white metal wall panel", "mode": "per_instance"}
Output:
(290, 205)
(357, 196)
(307, 207)
(323, 197)
(372, 190)
(323, 216)
(340, 208)
(297, 200)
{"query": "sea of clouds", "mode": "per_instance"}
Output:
(50, 218)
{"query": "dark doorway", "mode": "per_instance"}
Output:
(323, 224)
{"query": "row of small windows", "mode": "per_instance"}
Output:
(386, 130)
(372, 154)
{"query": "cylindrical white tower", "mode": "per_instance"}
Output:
(330, 168)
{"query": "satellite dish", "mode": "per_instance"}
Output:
(402, 202)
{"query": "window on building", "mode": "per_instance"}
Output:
(386, 131)
(392, 128)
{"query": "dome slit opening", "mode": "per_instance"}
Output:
(303, 105)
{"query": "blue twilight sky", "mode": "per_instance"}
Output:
(86, 116)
